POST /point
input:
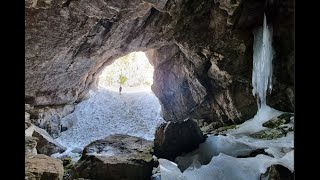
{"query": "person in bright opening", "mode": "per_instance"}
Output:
(120, 89)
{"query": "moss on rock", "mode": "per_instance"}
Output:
(269, 134)
(67, 166)
(225, 128)
(278, 121)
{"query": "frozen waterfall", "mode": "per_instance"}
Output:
(217, 157)
(262, 63)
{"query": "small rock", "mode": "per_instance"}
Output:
(278, 121)
(28, 107)
(156, 176)
(27, 125)
(269, 134)
(38, 167)
(66, 161)
(255, 153)
(27, 117)
(277, 172)
(63, 128)
(292, 119)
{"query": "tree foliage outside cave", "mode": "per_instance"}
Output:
(122, 79)
(131, 70)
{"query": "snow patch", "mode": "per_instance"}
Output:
(106, 112)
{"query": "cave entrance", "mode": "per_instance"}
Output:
(132, 72)
(136, 111)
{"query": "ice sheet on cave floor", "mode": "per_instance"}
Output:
(225, 167)
(228, 148)
(235, 146)
(255, 124)
(107, 112)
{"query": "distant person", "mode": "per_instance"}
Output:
(120, 89)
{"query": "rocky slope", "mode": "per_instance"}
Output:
(201, 51)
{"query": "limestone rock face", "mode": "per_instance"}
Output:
(116, 157)
(201, 51)
(185, 90)
(45, 144)
(69, 43)
(48, 118)
(38, 167)
(174, 138)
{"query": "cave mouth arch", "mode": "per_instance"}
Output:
(136, 111)
(65, 50)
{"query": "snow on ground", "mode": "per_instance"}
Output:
(135, 112)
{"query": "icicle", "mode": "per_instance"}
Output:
(262, 63)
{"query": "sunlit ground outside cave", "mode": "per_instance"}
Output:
(132, 72)
(133, 111)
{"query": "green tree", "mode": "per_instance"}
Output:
(122, 79)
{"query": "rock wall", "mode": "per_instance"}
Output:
(69, 43)
(201, 51)
(48, 117)
(206, 74)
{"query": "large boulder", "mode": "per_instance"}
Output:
(46, 144)
(116, 157)
(174, 138)
(42, 167)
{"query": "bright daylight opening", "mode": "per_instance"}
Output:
(132, 72)
(134, 111)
